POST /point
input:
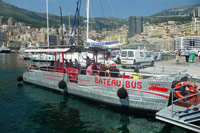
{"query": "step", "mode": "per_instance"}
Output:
(181, 116)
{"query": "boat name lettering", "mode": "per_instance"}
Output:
(108, 82)
(133, 84)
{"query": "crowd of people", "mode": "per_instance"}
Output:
(101, 70)
(189, 55)
(93, 68)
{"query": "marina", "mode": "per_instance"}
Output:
(152, 91)
(29, 107)
(84, 73)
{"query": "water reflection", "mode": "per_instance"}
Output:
(65, 113)
(10, 61)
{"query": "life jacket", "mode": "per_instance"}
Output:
(136, 75)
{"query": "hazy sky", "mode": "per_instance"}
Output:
(116, 8)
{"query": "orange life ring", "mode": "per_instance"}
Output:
(190, 87)
(73, 74)
(32, 66)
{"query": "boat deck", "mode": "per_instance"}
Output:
(181, 114)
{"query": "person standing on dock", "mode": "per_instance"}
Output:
(178, 56)
(187, 54)
(199, 55)
(192, 56)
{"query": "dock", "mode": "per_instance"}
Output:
(180, 113)
(193, 69)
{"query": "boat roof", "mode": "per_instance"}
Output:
(39, 50)
(66, 49)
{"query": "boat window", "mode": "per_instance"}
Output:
(141, 54)
(130, 54)
(124, 53)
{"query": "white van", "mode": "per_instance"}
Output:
(132, 58)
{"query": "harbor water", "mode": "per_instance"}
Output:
(30, 108)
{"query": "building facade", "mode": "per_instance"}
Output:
(196, 12)
(190, 42)
(135, 25)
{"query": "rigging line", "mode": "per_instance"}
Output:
(78, 14)
(73, 23)
(111, 8)
(102, 8)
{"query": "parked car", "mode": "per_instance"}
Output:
(136, 58)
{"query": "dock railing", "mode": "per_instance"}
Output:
(173, 90)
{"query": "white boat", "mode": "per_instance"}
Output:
(151, 92)
(4, 49)
(145, 91)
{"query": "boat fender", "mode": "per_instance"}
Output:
(62, 84)
(20, 78)
(122, 93)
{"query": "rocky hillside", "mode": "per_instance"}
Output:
(36, 19)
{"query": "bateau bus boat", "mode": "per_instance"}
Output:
(153, 92)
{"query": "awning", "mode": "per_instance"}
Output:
(47, 50)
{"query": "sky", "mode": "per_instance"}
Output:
(104, 8)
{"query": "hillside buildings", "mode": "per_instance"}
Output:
(167, 36)
(11, 21)
(1, 20)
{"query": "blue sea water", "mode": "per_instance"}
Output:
(28, 108)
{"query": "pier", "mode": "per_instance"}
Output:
(192, 69)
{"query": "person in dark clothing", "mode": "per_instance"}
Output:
(114, 72)
(70, 63)
(187, 55)
(102, 71)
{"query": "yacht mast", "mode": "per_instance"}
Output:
(88, 15)
(47, 22)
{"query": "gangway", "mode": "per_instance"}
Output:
(182, 112)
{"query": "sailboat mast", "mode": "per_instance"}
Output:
(69, 23)
(88, 15)
(47, 22)
(61, 25)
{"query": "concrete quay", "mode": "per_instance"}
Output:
(193, 69)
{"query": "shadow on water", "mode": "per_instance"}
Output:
(67, 113)
(30, 108)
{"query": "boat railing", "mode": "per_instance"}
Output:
(34, 67)
(184, 99)
(128, 75)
